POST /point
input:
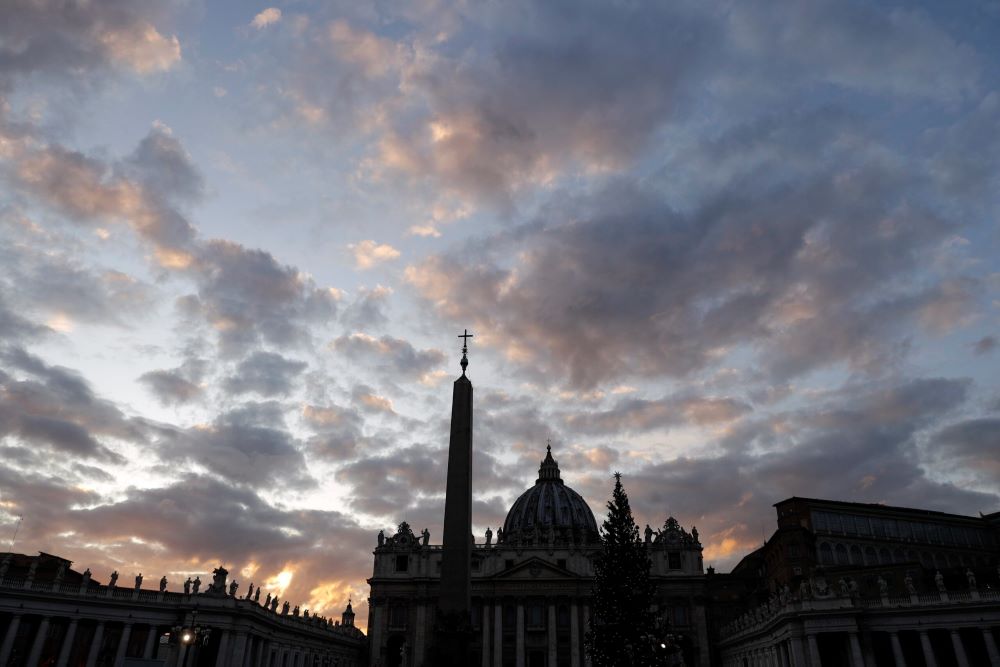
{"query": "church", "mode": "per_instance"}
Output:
(527, 595)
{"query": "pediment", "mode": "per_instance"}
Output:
(534, 568)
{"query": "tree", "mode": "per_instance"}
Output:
(623, 629)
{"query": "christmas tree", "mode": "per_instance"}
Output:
(623, 629)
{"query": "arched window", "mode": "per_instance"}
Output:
(841, 552)
(897, 556)
(883, 556)
(825, 554)
(856, 558)
(870, 557)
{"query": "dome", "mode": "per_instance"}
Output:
(549, 511)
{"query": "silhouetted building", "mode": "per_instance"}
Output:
(865, 584)
(53, 615)
(529, 594)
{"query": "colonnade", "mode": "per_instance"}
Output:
(493, 631)
(803, 650)
(235, 649)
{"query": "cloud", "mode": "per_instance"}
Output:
(47, 404)
(368, 253)
(266, 17)
(141, 48)
(171, 387)
(393, 356)
(970, 446)
(639, 415)
(247, 445)
(265, 373)
(78, 41)
(367, 311)
(984, 345)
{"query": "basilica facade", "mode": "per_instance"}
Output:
(531, 588)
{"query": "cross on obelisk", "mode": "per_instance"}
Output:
(465, 348)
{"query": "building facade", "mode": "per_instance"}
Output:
(858, 584)
(531, 588)
(53, 615)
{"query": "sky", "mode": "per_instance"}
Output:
(738, 251)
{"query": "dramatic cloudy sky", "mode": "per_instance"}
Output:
(737, 250)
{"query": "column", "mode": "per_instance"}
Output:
(814, 660)
(123, 645)
(552, 634)
(956, 643)
(67, 645)
(574, 636)
(486, 636)
(375, 631)
(991, 646)
(798, 653)
(857, 659)
(420, 634)
(222, 657)
(925, 644)
(151, 638)
(897, 649)
(95, 644)
(586, 627)
(239, 649)
(498, 634)
(36, 646)
(519, 646)
(8, 639)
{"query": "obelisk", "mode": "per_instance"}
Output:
(453, 630)
(457, 546)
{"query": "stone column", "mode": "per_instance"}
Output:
(486, 635)
(798, 653)
(956, 643)
(814, 660)
(8, 639)
(420, 634)
(991, 646)
(151, 637)
(67, 645)
(498, 634)
(897, 649)
(95, 644)
(123, 645)
(925, 644)
(586, 627)
(519, 646)
(857, 658)
(36, 646)
(552, 634)
(222, 657)
(574, 636)
(375, 631)
(239, 649)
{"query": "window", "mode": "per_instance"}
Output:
(826, 554)
(561, 562)
(841, 552)
(864, 528)
(536, 616)
(856, 558)
(871, 558)
(509, 563)
(674, 560)
(397, 616)
(510, 618)
(680, 615)
(883, 557)
(793, 550)
(849, 526)
(402, 563)
(475, 564)
(562, 616)
(820, 521)
(836, 525)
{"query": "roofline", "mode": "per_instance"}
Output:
(880, 506)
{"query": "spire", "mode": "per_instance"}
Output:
(549, 470)
(464, 363)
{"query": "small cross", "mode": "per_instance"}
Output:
(465, 339)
